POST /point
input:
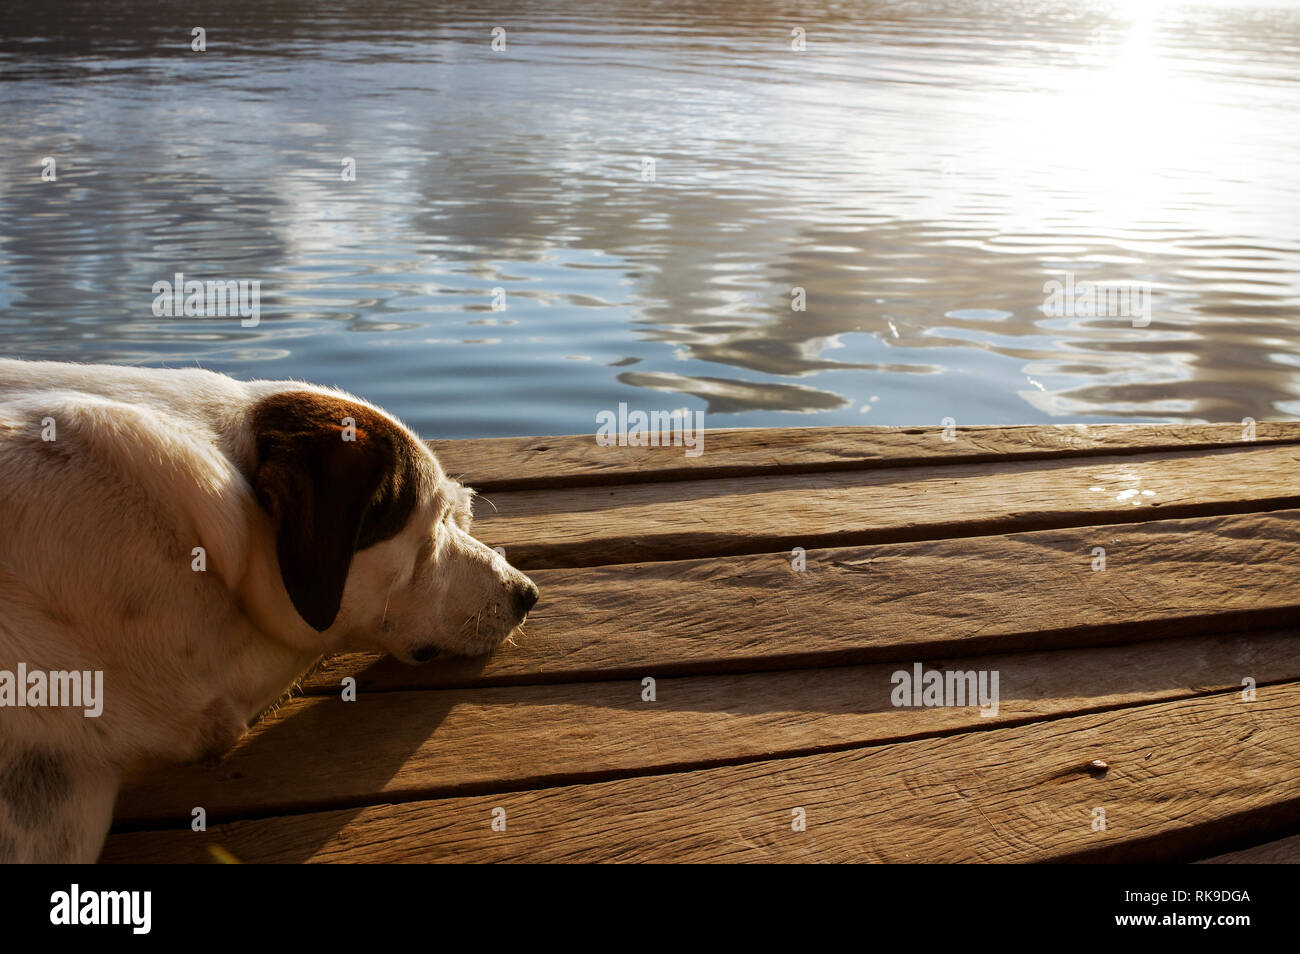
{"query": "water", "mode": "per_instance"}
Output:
(920, 170)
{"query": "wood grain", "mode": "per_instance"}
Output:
(897, 601)
(418, 744)
(582, 527)
(1284, 851)
(1182, 777)
(517, 463)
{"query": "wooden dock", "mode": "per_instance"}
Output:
(1134, 587)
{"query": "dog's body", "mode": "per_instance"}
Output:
(202, 541)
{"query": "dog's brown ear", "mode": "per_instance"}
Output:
(335, 477)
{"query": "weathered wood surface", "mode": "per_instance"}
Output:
(583, 527)
(1182, 775)
(1284, 851)
(513, 463)
(897, 601)
(426, 743)
(773, 684)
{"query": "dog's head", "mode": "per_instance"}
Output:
(371, 538)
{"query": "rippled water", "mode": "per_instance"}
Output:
(920, 170)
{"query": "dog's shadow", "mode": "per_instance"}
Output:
(311, 772)
(334, 775)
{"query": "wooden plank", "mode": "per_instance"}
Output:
(580, 527)
(418, 744)
(1182, 776)
(517, 463)
(1285, 851)
(898, 601)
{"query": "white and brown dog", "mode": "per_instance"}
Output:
(201, 542)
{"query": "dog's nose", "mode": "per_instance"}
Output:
(424, 653)
(526, 597)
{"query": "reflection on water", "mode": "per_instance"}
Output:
(919, 171)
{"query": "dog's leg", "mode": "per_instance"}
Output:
(53, 810)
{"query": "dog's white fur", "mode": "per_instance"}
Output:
(97, 535)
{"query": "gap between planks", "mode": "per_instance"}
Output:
(448, 742)
(581, 527)
(914, 601)
(532, 463)
(1184, 777)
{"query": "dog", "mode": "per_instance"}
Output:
(197, 544)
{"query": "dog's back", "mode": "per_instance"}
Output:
(89, 456)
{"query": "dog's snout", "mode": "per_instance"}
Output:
(526, 596)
